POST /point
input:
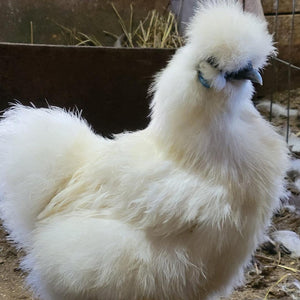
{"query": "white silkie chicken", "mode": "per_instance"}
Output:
(173, 211)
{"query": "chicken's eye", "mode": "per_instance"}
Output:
(213, 61)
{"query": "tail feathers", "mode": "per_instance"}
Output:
(40, 149)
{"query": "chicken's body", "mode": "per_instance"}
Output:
(173, 211)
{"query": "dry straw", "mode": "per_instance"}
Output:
(77, 38)
(154, 31)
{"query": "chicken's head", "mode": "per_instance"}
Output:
(228, 45)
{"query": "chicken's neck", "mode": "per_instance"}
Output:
(209, 131)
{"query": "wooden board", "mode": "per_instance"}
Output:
(284, 36)
(284, 6)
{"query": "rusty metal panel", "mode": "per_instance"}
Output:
(109, 84)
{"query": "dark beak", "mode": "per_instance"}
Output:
(247, 73)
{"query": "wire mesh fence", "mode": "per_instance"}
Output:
(288, 63)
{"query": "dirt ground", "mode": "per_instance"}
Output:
(273, 273)
(11, 277)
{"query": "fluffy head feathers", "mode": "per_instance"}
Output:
(233, 38)
(225, 46)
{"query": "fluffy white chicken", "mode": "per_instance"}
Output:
(173, 211)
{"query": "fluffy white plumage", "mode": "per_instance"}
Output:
(170, 212)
